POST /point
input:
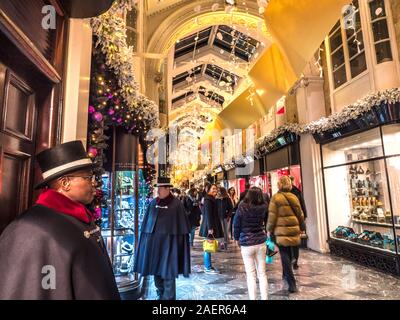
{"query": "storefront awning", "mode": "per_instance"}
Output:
(298, 27)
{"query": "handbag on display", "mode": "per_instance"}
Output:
(210, 245)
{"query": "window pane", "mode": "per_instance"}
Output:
(131, 18)
(362, 146)
(377, 8)
(336, 40)
(380, 30)
(355, 49)
(337, 59)
(358, 65)
(337, 25)
(383, 52)
(131, 38)
(391, 138)
(339, 76)
(358, 198)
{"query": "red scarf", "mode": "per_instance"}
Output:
(62, 204)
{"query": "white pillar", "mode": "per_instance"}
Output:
(313, 191)
(311, 106)
(77, 80)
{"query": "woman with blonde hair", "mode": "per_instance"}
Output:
(285, 222)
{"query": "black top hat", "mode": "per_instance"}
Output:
(163, 182)
(63, 158)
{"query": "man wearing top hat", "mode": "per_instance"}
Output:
(163, 249)
(54, 250)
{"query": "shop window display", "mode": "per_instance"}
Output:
(120, 241)
(360, 181)
(260, 182)
(128, 216)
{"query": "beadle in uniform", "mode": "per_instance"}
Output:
(54, 250)
(163, 248)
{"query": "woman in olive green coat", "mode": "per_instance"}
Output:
(285, 222)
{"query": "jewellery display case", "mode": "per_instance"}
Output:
(121, 240)
(361, 181)
(126, 192)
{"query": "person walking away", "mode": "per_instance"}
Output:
(57, 237)
(297, 192)
(210, 225)
(163, 247)
(193, 210)
(234, 200)
(249, 232)
(285, 222)
(225, 208)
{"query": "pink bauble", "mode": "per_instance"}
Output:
(92, 152)
(97, 116)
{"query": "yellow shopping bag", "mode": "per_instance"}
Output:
(210, 245)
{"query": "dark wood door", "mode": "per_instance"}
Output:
(18, 118)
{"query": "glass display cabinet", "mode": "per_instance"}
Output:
(118, 229)
(126, 192)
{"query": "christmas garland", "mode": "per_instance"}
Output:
(110, 30)
(336, 120)
(353, 111)
(107, 109)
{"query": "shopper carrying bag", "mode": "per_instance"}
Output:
(250, 236)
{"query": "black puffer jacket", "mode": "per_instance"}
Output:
(249, 224)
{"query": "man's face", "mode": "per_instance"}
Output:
(163, 192)
(81, 186)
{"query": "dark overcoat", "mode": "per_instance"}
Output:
(163, 248)
(42, 243)
(210, 218)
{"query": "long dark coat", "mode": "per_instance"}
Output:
(210, 218)
(163, 248)
(41, 237)
(225, 208)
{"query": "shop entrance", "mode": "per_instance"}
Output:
(22, 92)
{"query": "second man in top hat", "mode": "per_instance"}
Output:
(163, 248)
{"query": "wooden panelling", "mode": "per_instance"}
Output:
(28, 16)
(31, 88)
(18, 108)
(14, 195)
(18, 123)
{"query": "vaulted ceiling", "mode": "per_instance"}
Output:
(208, 68)
(207, 62)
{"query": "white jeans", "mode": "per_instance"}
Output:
(254, 261)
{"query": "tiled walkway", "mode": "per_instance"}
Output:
(320, 276)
